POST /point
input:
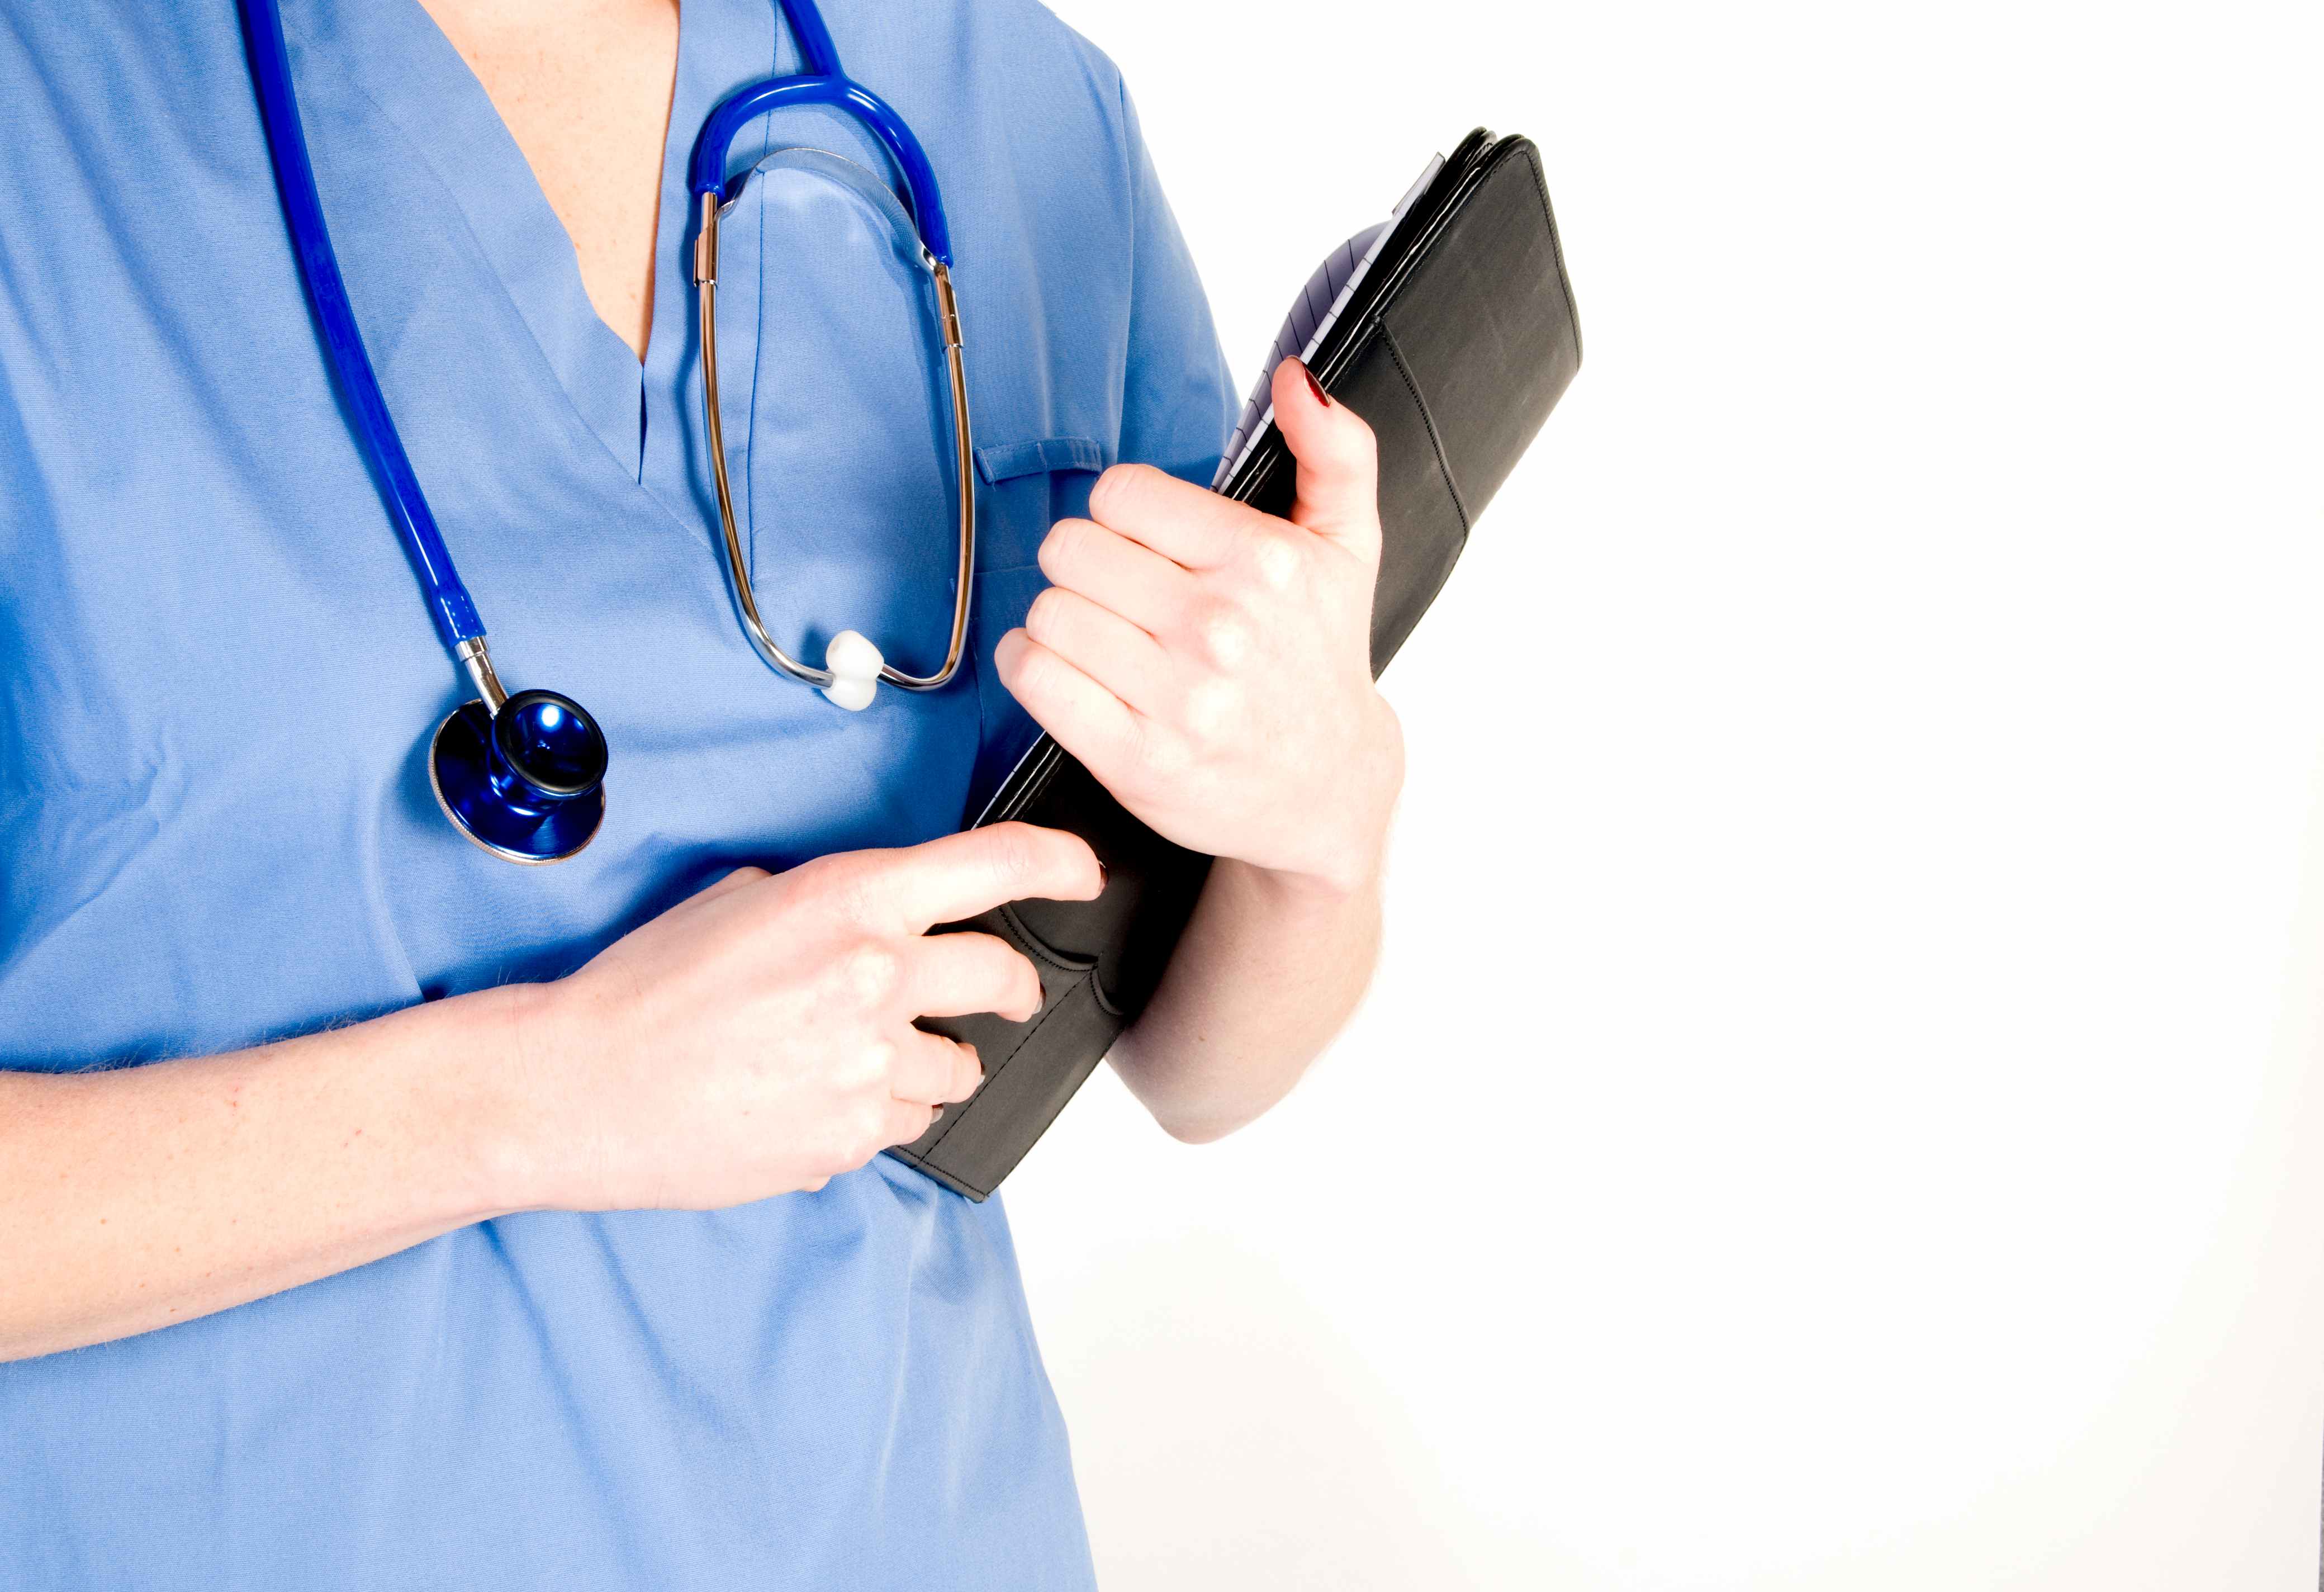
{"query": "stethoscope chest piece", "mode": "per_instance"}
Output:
(526, 783)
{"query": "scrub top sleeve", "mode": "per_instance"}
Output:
(1178, 401)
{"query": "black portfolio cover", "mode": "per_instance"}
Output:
(1460, 337)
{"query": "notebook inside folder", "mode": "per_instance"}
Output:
(1312, 315)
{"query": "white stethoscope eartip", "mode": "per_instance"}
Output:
(855, 663)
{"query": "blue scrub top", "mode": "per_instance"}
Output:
(218, 677)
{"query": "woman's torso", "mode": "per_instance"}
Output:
(216, 826)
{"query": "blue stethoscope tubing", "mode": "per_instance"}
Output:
(524, 775)
(706, 171)
(449, 603)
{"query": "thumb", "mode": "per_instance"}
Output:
(1338, 493)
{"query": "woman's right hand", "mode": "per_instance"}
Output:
(758, 1038)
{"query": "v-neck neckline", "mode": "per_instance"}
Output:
(426, 88)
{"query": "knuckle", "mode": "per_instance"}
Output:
(1015, 849)
(873, 972)
(1118, 487)
(969, 1075)
(1052, 678)
(1065, 543)
(1028, 673)
(811, 878)
(1276, 559)
(1225, 635)
(1048, 611)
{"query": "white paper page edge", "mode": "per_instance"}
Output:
(1332, 285)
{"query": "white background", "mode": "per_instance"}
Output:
(1841, 1107)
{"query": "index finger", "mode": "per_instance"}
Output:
(1186, 524)
(960, 876)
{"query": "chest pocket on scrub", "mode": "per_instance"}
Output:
(1029, 486)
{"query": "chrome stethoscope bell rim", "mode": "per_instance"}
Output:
(460, 772)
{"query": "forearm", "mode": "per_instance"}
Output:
(138, 1197)
(1268, 970)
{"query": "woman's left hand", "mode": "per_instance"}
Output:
(1211, 665)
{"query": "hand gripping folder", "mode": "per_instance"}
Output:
(1451, 330)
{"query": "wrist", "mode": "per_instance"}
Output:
(493, 1096)
(1351, 854)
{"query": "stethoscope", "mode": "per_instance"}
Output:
(523, 776)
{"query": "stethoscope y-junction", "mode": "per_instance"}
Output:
(524, 775)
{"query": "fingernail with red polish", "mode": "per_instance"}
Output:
(1316, 388)
(1102, 875)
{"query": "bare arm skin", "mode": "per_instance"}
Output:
(1212, 667)
(755, 1040)
(135, 1198)
(1269, 972)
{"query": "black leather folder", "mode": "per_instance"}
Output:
(1457, 339)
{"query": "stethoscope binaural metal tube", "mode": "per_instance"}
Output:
(853, 665)
(746, 600)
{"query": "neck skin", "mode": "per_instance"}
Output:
(585, 87)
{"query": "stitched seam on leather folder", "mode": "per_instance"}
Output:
(1396, 356)
(1032, 949)
(961, 1116)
